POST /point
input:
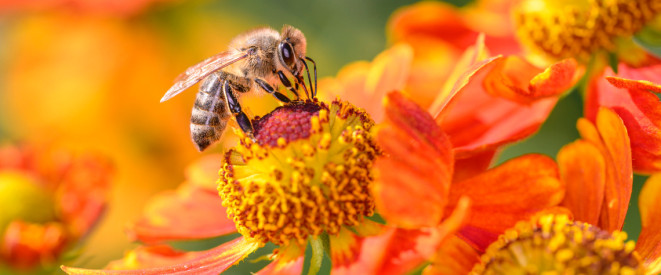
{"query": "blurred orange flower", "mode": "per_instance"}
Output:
(51, 199)
(112, 7)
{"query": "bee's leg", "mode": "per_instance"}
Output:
(266, 87)
(285, 81)
(233, 104)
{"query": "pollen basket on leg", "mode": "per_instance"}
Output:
(307, 173)
(579, 30)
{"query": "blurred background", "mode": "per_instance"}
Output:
(88, 75)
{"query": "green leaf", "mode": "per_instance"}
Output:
(613, 61)
(650, 40)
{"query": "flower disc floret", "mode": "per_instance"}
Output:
(306, 173)
(556, 245)
(563, 30)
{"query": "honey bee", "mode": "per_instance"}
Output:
(258, 60)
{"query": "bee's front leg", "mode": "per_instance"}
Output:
(234, 106)
(266, 87)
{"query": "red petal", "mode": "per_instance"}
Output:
(638, 107)
(649, 241)
(418, 163)
(583, 171)
(188, 213)
(506, 194)
(212, 261)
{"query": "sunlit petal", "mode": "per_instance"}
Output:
(212, 261)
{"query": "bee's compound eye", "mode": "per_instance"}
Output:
(287, 54)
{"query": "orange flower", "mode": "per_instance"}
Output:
(51, 199)
(415, 187)
(631, 95)
(597, 172)
(486, 103)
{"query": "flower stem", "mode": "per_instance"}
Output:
(317, 255)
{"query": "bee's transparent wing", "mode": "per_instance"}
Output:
(200, 70)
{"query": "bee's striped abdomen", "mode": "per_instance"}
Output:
(210, 113)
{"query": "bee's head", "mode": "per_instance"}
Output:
(291, 49)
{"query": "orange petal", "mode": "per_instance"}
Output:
(618, 190)
(583, 171)
(476, 120)
(506, 194)
(212, 261)
(397, 251)
(610, 137)
(434, 19)
(190, 212)
(279, 267)
(433, 61)
(649, 241)
(388, 73)
(631, 96)
(418, 163)
(366, 84)
(518, 80)
(454, 257)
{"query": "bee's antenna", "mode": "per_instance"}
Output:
(314, 91)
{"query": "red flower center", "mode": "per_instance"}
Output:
(291, 122)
